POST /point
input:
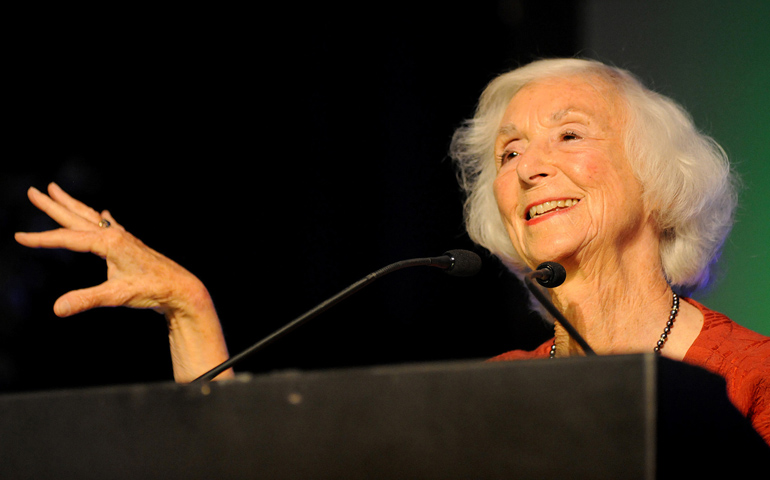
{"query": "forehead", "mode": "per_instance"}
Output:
(554, 98)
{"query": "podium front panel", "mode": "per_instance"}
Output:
(570, 418)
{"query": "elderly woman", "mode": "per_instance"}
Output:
(573, 161)
(566, 160)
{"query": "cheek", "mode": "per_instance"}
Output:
(593, 171)
(597, 171)
(506, 193)
(588, 167)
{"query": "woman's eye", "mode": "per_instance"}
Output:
(570, 135)
(505, 157)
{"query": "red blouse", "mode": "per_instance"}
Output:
(736, 353)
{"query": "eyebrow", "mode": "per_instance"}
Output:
(510, 128)
(562, 113)
(507, 129)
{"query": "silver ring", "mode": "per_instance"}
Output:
(104, 223)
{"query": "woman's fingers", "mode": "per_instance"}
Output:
(111, 293)
(82, 231)
(76, 206)
(137, 276)
(78, 301)
(77, 241)
(58, 212)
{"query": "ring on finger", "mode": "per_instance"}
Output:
(104, 223)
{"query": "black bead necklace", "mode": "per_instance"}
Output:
(663, 336)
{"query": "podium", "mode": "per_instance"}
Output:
(627, 417)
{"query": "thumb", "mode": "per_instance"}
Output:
(78, 301)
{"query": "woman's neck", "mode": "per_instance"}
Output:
(620, 304)
(615, 314)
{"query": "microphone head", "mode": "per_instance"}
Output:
(464, 263)
(556, 274)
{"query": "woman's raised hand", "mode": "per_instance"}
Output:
(137, 277)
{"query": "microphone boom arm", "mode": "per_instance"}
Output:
(546, 302)
(446, 262)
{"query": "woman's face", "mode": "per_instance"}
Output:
(564, 187)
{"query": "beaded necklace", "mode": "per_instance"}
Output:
(663, 336)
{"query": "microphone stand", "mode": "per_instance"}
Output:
(546, 302)
(446, 262)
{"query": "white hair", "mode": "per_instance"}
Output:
(685, 174)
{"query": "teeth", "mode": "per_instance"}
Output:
(548, 206)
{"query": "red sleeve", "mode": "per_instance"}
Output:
(543, 351)
(742, 357)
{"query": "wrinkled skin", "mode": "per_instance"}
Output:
(561, 140)
(137, 277)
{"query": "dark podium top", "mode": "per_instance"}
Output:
(631, 416)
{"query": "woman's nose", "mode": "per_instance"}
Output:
(534, 166)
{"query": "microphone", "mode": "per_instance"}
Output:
(551, 275)
(460, 263)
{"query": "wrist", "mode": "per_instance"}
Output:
(195, 334)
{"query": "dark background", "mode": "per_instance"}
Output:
(279, 156)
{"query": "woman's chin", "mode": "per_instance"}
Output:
(559, 255)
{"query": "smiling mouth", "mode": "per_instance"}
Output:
(548, 207)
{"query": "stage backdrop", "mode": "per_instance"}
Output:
(281, 155)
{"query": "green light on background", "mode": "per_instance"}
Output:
(714, 58)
